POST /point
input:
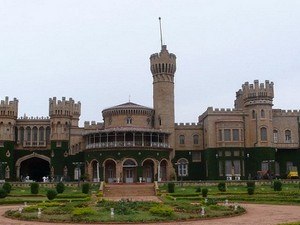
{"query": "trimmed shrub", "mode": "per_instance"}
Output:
(251, 184)
(198, 189)
(171, 187)
(60, 187)
(85, 188)
(163, 211)
(222, 186)
(86, 211)
(7, 187)
(204, 192)
(277, 185)
(51, 194)
(250, 190)
(3, 193)
(34, 188)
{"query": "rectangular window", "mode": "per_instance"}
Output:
(227, 135)
(264, 166)
(227, 153)
(221, 169)
(196, 156)
(236, 153)
(289, 166)
(235, 134)
(220, 136)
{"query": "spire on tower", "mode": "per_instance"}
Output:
(160, 29)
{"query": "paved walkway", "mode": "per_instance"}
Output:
(256, 215)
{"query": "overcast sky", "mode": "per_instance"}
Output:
(97, 52)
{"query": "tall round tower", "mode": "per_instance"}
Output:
(163, 67)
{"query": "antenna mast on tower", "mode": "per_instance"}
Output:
(161, 40)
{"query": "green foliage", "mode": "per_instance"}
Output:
(3, 193)
(34, 188)
(204, 192)
(161, 210)
(277, 185)
(85, 188)
(211, 201)
(60, 187)
(251, 184)
(51, 194)
(86, 211)
(198, 189)
(171, 187)
(7, 187)
(222, 186)
(250, 190)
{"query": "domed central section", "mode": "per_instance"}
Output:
(128, 115)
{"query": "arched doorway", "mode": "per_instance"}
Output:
(110, 171)
(35, 168)
(148, 170)
(163, 170)
(129, 171)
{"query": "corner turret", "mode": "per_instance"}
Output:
(8, 117)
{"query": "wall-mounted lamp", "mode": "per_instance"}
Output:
(217, 156)
(248, 155)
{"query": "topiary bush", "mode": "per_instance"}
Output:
(171, 187)
(222, 186)
(250, 190)
(7, 187)
(51, 194)
(3, 193)
(34, 188)
(204, 192)
(198, 189)
(60, 187)
(85, 188)
(277, 185)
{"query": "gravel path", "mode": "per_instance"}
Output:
(257, 214)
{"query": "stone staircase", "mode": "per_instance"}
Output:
(128, 191)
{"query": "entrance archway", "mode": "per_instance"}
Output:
(35, 168)
(163, 170)
(129, 171)
(148, 170)
(110, 171)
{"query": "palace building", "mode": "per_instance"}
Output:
(135, 143)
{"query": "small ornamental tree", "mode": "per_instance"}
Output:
(171, 187)
(51, 194)
(277, 185)
(3, 193)
(222, 186)
(34, 188)
(60, 187)
(85, 188)
(7, 187)
(204, 192)
(250, 190)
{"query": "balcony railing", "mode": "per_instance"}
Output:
(121, 144)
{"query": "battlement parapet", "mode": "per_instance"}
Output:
(257, 89)
(187, 125)
(93, 125)
(64, 107)
(282, 112)
(9, 108)
(220, 111)
(33, 117)
(163, 62)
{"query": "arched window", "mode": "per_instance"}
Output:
(181, 139)
(288, 136)
(129, 120)
(263, 134)
(275, 136)
(253, 114)
(48, 132)
(182, 166)
(28, 134)
(262, 113)
(196, 139)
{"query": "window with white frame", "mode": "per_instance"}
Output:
(182, 165)
(275, 136)
(288, 136)
(181, 139)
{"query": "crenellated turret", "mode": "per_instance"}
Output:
(257, 100)
(163, 67)
(8, 117)
(64, 115)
